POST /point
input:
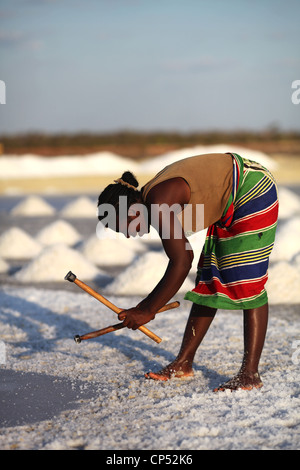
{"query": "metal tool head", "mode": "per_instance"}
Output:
(77, 339)
(70, 277)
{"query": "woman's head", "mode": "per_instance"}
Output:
(115, 201)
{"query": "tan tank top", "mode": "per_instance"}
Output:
(209, 177)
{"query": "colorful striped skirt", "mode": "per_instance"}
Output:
(233, 266)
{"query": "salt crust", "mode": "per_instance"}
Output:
(127, 412)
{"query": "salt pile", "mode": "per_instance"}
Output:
(196, 241)
(151, 238)
(15, 243)
(135, 244)
(107, 252)
(289, 203)
(297, 260)
(287, 241)
(34, 166)
(107, 163)
(59, 231)
(81, 207)
(143, 275)
(33, 206)
(154, 165)
(4, 267)
(283, 285)
(55, 262)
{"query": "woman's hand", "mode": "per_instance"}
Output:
(135, 317)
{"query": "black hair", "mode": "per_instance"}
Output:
(112, 192)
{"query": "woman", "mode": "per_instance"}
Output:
(240, 213)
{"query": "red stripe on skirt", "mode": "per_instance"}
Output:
(256, 221)
(237, 291)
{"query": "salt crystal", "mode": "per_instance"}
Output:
(154, 165)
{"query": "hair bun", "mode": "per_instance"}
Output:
(128, 177)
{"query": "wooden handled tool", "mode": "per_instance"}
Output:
(118, 326)
(72, 278)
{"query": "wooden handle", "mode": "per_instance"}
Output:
(103, 331)
(113, 307)
(97, 296)
(169, 306)
(118, 326)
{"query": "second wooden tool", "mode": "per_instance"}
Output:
(118, 326)
(72, 278)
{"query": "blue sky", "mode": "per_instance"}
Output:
(184, 65)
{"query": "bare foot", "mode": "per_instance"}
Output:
(242, 381)
(176, 369)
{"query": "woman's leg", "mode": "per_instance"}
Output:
(197, 325)
(255, 328)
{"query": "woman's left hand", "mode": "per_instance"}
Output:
(135, 317)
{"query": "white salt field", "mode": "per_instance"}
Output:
(56, 394)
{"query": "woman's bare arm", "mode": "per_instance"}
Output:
(175, 244)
